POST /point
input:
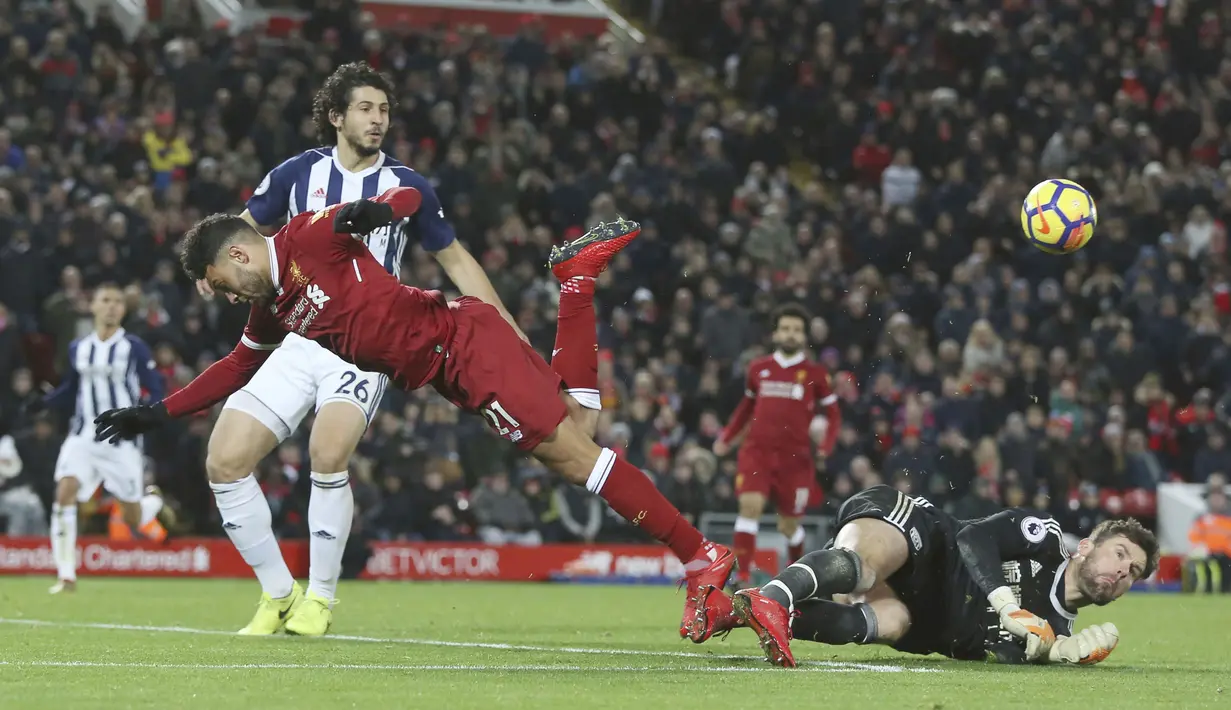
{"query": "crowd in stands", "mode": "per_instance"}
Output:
(866, 160)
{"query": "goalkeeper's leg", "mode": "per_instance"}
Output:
(865, 551)
(879, 617)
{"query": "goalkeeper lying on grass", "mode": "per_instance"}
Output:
(903, 573)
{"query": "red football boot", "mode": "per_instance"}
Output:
(589, 254)
(711, 567)
(770, 620)
(715, 615)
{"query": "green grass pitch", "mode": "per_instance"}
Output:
(167, 644)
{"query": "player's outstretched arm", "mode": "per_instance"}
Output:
(262, 336)
(984, 545)
(218, 382)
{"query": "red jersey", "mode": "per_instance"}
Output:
(780, 399)
(332, 290)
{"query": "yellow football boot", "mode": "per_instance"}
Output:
(272, 614)
(312, 618)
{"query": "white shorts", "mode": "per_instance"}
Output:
(300, 376)
(120, 468)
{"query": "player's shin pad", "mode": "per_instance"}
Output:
(822, 573)
(836, 624)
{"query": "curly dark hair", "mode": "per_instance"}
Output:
(1136, 533)
(790, 310)
(200, 246)
(334, 96)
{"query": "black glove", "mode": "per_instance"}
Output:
(129, 423)
(362, 217)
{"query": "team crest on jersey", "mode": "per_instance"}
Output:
(801, 375)
(1033, 529)
(322, 213)
(297, 276)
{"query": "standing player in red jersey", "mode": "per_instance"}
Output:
(314, 279)
(775, 460)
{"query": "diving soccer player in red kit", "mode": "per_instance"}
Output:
(781, 397)
(315, 279)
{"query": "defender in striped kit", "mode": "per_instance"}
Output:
(108, 368)
(902, 573)
(352, 115)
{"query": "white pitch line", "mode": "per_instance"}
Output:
(871, 667)
(398, 667)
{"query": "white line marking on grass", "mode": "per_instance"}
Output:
(399, 667)
(870, 667)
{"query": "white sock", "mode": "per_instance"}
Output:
(588, 398)
(150, 507)
(331, 509)
(249, 523)
(747, 525)
(64, 540)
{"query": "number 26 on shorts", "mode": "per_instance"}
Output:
(361, 389)
(502, 422)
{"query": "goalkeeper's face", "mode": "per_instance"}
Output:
(1109, 568)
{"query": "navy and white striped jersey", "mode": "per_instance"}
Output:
(314, 180)
(106, 374)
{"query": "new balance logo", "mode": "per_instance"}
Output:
(317, 296)
(323, 534)
(320, 192)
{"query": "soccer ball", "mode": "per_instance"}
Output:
(1058, 216)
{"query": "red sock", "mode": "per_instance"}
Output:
(575, 357)
(795, 552)
(795, 545)
(633, 495)
(745, 549)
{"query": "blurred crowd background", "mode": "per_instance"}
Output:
(866, 160)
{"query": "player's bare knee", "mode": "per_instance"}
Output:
(569, 453)
(329, 456)
(751, 505)
(336, 432)
(66, 490)
(221, 468)
(892, 619)
(880, 546)
(787, 525)
(237, 444)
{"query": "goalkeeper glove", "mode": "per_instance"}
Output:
(1036, 632)
(1091, 645)
(130, 422)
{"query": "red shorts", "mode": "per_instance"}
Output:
(489, 370)
(787, 479)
